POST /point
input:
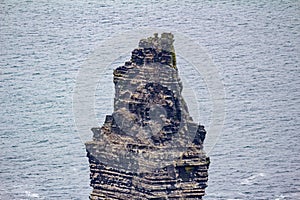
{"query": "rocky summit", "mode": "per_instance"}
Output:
(149, 147)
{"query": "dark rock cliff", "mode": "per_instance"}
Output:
(149, 148)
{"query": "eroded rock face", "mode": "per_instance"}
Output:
(149, 148)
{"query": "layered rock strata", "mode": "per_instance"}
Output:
(149, 148)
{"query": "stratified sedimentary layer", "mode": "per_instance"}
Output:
(149, 148)
(184, 180)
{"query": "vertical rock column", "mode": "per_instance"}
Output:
(149, 147)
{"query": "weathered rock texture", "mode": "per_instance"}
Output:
(149, 148)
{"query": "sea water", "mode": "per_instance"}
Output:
(255, 46)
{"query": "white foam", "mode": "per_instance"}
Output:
(281, 197)
(251, 179)
(33, 195)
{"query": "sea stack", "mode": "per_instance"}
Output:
(149, 147)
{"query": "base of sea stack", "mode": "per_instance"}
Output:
(185, 179)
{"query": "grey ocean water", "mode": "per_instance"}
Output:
(256, 47)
